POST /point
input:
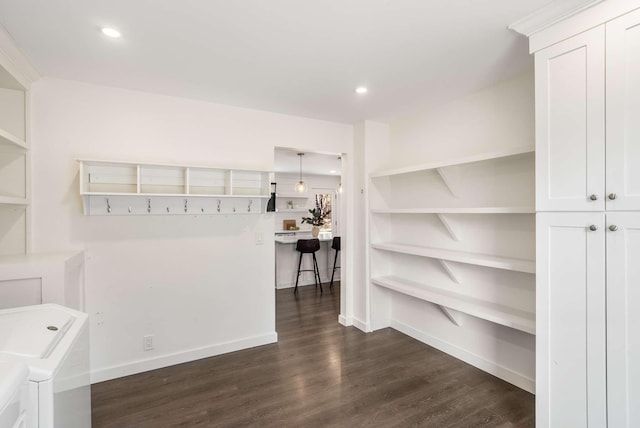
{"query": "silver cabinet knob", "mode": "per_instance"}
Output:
(593, 197)
(613, 228)
(593, 228)
(612, 196)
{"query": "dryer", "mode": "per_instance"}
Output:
(53, 342)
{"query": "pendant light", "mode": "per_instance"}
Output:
(300, 187)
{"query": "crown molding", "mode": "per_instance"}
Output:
(550, 14)
(15, 62)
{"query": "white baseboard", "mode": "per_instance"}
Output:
(361, 325)
(345, 321)
(508, 375)
(153, 363)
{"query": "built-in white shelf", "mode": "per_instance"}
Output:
(459, 161)
(132, 188)
(506, 263)
(8, 140)
(8, 200)
(469, 210)
(497, 313)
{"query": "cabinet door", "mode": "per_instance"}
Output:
(570, 118)
(623, 112)
(623, 319)
(570, 320)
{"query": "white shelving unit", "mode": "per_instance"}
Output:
(435, 228)
(499, 314)
(14, 163)
(506, 263)
(131, 188)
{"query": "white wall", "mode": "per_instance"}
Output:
(498, 117)
(180, 278)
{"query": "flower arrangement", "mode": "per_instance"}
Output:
(320, 213)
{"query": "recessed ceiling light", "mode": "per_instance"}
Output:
(361, 90)
(111, 32)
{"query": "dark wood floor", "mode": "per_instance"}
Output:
(319, 374)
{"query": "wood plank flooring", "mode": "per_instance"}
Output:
(319, 374)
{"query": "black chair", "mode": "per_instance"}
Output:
(336, 246)
(308, 246)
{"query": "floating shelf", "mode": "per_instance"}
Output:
(471, 210)
(8, 140)
(459, 161)
(506, 263)
(295, 210)
(499, 314)
(8, 200)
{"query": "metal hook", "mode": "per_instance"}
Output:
(218, 205)
(167, 209)
(149, 205)
(249, 207)
(129, 209)
(108, 206)
(185, 205)
(202, 209)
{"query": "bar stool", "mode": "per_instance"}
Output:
(308, 246)
(336, 246)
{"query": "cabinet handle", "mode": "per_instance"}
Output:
(593, 197)
(593, 228)
(613, 228)
(612, 196)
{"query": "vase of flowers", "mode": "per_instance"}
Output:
(318, 215)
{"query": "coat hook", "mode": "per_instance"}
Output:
(108, 206)
(129, 209)
(185, 205)
(218, 205)
(249, 207)
(168, 209)
(149, 205)
(201, 209)
(234, 209)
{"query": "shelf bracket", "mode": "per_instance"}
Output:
(452, 274)
(454, 316)
(447, 225)
(446, 178)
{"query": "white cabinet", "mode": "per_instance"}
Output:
(587, 261)
(623, 319)
(129, 188)
(570, 132)
(623, 112)
(576, 169)
(458, 234)
(570, 320)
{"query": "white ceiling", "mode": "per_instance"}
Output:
(298, 57)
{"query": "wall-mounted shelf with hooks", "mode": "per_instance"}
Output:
(129, 188)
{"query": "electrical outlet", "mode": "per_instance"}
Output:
(147, 342)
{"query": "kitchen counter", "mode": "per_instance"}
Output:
(287, 258)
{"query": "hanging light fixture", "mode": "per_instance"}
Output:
(300, 187)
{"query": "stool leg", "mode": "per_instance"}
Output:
(335, 259)
(316, 272)
(295, 290)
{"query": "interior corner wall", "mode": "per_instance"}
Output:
(179, 278)
(495, 118)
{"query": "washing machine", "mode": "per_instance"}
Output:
(53, 342)
(14, 394)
